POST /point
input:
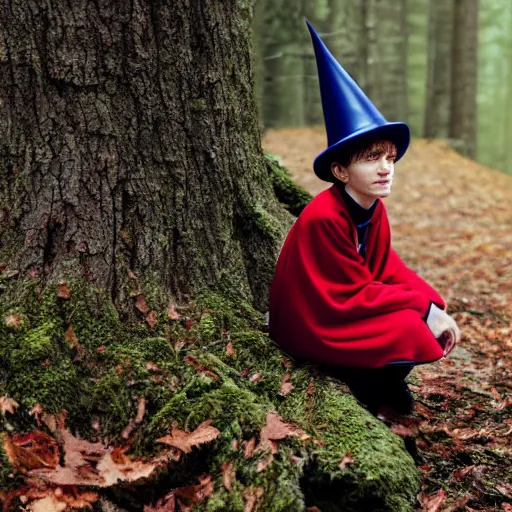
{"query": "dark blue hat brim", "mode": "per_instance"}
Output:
(398, 133)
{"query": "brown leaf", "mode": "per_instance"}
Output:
(275, 429)
(185, 441)
(8, 405)
(263, 463)
(13, 320)
(71, 339)
(37, 412)
(249, 447)
(48, 504)
(31, 451)
(141, 410)
(152, 367)
(251, 496)
(141, 305)
(163, 505)
(228, 475)
(151, 319)
(286, 385)
(230, 351)
(63, 291)
(116, 466)
(190, 496)
(172, 314)
(462, 472)
(311, 387)
(132, 276)
(345, 461)
(256, 377)
(432, 503)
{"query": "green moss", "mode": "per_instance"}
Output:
(185, 374)
(289, 194)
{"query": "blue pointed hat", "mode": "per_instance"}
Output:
(348, 112)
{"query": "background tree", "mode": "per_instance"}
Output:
(437, 103)
(464, 67)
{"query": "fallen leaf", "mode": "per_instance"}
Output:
(48, 504)
(30, 451)
(275, 429)
(151, 319)
(432, 503)
(185, 441)
(462, 472)
(63, 291)
(286, 385)
(190, 496)
(251, 497)
(8, 405)
(249, 447)
(345, 461)
(163, 505)
(116, 467)
(152, 367)
(141, 410)
(172, 314)
(228, 475)
(13, 320)
(71, 339)
(256, 377)
(37, 412)
(263, 463)
(141, 305)
(230, 351)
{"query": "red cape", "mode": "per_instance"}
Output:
(330, 306)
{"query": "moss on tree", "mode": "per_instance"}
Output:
(103, 371)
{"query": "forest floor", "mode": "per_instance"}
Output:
(452, 222)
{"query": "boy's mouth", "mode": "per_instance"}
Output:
(383, 182)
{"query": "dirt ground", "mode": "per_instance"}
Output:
(452, 223)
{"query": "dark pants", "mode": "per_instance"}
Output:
(376, 387)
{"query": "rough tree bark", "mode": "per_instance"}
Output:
(129, 142)
(464, 76)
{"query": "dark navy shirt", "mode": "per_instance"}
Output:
(360, 217)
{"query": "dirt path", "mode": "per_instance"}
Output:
(452, 223)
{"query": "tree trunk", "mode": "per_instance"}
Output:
(417, 21)
(130, 143)
(437, 105)
(464, 75)
(391, 56)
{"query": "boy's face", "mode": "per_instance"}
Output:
(369, 174)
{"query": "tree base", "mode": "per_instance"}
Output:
(210, 361)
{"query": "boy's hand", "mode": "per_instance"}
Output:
(444, 328)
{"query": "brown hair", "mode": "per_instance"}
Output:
(360, 148)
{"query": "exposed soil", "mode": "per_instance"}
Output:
(452, 223)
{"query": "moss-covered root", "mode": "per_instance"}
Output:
(289, 194)
(379, 476)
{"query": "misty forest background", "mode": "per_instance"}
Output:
(442, 66)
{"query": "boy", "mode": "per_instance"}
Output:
(341, 297)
